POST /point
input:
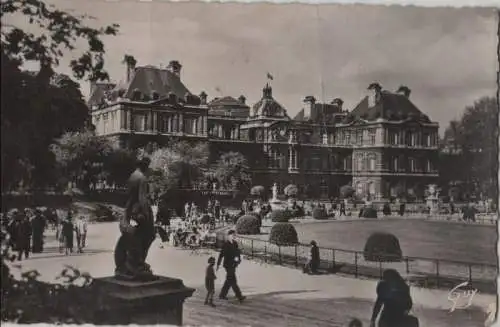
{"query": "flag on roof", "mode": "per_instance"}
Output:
(269, 76)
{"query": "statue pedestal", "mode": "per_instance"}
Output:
(135, 302)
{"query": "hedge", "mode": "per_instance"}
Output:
(319, 213)
(283, 234)
(280, 216)
(248, 225)
(382, 247)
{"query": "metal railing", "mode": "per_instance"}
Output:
(422, 272)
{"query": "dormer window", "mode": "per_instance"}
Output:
(136, 95)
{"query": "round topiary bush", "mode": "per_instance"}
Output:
(279, 216)
(283, 234)
(382, 247)
(291, 191)
(205, 219)
(248, 225)
(258, 191)
(319, 213)
(369, 212)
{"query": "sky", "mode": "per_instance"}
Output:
(446, 56)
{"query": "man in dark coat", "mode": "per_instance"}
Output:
(23, 235)
(38, 227)
(231, 257)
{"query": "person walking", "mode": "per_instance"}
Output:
(81, 233)
(394, 300)
(342, 209)
(38, 227)
(23, 235)
(210, 282)
(67, 232)
(312, 264)
(230, 254)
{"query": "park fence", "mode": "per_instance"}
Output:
(421, 272)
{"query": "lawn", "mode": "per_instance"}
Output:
(426, 239)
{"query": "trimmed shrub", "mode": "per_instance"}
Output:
(319, 213)
(205, 219)
(291, 190)
(280, 216)
(382, 247)
(297, 212)
(369, 212)
(248, 225)
(283, 234)
(258, 191)
(256, 215)
(346, 191)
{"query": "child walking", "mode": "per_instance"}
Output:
(210, 282)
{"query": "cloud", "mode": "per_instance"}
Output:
(446, 56)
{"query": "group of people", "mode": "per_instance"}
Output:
(26, 229)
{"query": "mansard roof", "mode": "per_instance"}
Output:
(148, 80)
(226, 101)
(98, 92)
(390, 106)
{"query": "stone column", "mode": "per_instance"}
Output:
(290, 155)
(130, 121)
(155, 122)
(205, 125)
(169, 123)
(181, 123)
(123, 119)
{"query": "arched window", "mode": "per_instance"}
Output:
(371, 188)
(359, 188)
(372, 163)
(359, 163)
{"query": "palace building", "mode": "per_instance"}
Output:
(381, 147)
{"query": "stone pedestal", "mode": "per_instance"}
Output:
(133, 302)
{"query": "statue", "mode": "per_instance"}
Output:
(275, 191)
(137, 228)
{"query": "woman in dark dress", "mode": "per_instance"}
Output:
(68, 230)
(314, 259)
(394, 299)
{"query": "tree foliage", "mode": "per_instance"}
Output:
(179, 164)
(232, 170)
(471, 144)
(39, 106)
(291, 190)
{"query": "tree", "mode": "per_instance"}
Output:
(346, 191)
(258, 191)
(232, 170)
(179, 164)
(291, 190)
(81, 156)
(472, 146)
(37, 107)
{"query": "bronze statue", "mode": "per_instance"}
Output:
(137, 228)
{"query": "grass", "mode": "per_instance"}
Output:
(426, 239)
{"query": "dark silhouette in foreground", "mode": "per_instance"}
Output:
(394, 300)
(137, 228)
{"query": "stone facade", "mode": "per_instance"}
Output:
(383, 144)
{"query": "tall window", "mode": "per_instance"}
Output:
(359, 138)
(371, 136)
(348, 138)
(371, 188)
(359, 163)
(372, 163)
(139, 122)
(325, 138)
(413, 165)
(395, 164)
(428, 165)
(348, 163)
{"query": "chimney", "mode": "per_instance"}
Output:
(375, 94)
(242, 99)
(175, 67)
(203, 98)
(338, 102)
(309, 101)
(404, 90)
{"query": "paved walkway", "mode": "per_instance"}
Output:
(277, 296)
